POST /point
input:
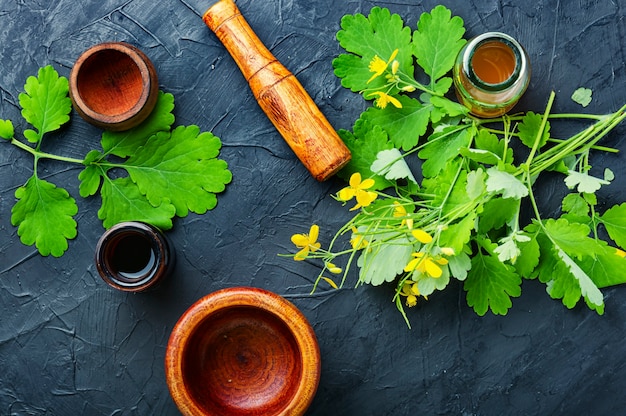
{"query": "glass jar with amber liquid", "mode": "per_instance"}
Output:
(491, 73)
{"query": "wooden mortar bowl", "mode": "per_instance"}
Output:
(114, 86)
(242, 351)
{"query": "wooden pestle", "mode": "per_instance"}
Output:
(279, 93)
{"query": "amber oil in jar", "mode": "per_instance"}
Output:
(491, 73)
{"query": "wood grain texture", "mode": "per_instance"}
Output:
(243, 351)
(281, 96)
(114, 86)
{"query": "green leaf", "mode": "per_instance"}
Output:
(565, 280)
(122, 201)
(476, 186)
(489, 142)
(379, 34)
(448, 107)
(504, 183)
(91, 176)
(583, 182)
(460, 265)
(44, 216)
(614, 219)
(528, 259)
(404, 125)
(576, 205)
(588, 289)
(509, 249)
(437, 41)
(6, 129)
(442, 147)
(582, 96)
(382, 262)
(365, 145)
(427, 284)
(391, 165)
(180, 167)
(490, 284)
(572, 238)
(126, 143)
(529, 128)
(606, 269)
(45, 102)
(457, 235)
(481, 156)
(496, 213)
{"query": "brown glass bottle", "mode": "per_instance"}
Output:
(134, 256)
(491, 73)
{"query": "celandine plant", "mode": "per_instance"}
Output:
(165, 171)
(462, 220)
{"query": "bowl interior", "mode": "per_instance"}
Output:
(110, 82)
(242, 360)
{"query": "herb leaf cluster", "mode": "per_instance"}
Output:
(169, 171)
(461, 219)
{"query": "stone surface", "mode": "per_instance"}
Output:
(69, 344)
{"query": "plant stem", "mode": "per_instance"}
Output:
(542, 129)
(43, 155)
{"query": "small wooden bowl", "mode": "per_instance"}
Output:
(242, 351)
(114, 86)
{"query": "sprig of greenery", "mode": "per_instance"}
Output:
(464, 220)
(168, 171)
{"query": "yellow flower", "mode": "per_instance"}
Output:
(357, 241)
(358, 189)
(306, 242)
(411, 291)
(425, 263)
(378, 66)
(422, 236)
(400, 212)
(384, 99)
(620, 253)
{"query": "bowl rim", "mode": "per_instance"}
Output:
(268, 301)
(148, 76)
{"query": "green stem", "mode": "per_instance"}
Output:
(578, 143)
(541, 130)
(43, 155)
(595, 147)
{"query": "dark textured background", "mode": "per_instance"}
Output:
(70, 345)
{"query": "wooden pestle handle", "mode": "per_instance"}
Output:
(279, 93)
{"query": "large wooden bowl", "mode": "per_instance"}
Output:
(242, 351)
(114, 86)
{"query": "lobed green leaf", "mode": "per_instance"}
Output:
(45, 102)
(123, 201)
(491, 284)
(404, 125)
(444, 146)
(126, 143)
(379, 34)
(365, 145)
(6, 129)
(506, 184)
(572, 238)
(181, 167)
(383, 262)
(437, 41)
(44, 216)
(529, 128)
(614, 219)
